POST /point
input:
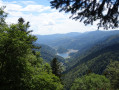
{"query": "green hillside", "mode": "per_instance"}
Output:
(79, 41)
(48, 53)
(91, 51)
(94, 60)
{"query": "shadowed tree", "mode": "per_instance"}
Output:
(23, 26)
(88, 11)
(56, 67)
(21, 20)
(3, 16)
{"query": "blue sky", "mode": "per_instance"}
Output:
(42, 2)
(42, 18)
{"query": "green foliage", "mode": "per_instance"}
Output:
(90, 51)
(20, 68)
(96, 60)
(112, 73)
(3, 16)
(14, 47)
(46, 81)
(91, 82)
(56, 67)
(39, 75)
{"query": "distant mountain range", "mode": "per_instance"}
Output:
(95, 51)
(79, 41)
(75, 40)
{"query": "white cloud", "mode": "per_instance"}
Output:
(1, 3)
(35, 8)
(13, 7)
(44, 20)
(48, 23)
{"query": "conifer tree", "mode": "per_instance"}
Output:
(20, 69)
(56, 67)
(88, 11)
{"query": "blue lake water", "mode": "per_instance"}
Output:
(64, 55)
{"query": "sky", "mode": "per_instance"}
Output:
(43, 20)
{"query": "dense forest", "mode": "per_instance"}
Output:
(21, 67)
(32, 62)
(94, 59)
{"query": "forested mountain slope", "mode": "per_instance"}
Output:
(79, 41)
(96, 50)
(48, 53)
(94, 60)
(114, 39)
(52, 40)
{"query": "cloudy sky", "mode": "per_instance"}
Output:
(43, 19)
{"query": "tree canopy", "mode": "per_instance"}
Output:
(56, 67)
(20, 68)
(91, 82)
(88, 11)
(3, 15)
(112, 72)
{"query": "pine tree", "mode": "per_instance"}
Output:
(56, 67)
(20, 68)
(88, 11)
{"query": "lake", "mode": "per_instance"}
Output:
(66, 55)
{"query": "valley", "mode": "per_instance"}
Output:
(84, 52)
(73, 44)
(67, 54)
(41, 49)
